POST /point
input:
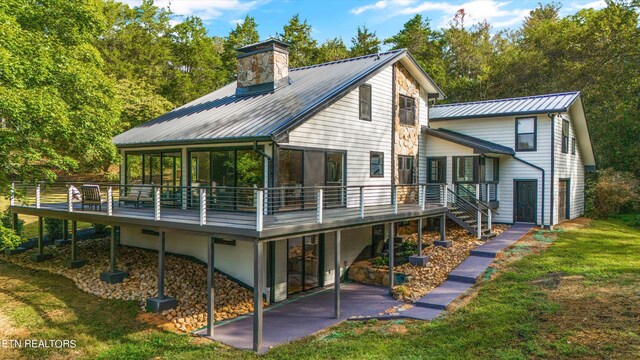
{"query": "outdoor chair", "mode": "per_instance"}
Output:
(91, 197)
(138, 195)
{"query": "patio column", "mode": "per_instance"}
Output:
(40, 256)
(443, 233)
(391, 246)
(74, 262)
(337, 275)
(113, 276)
(210, 286)
(257, 295)
(161, 303)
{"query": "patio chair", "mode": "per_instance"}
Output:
(91, 197)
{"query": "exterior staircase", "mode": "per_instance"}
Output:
(466, 210)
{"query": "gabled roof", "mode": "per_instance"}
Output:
(504, 107)
(479, 145)
(223, 116)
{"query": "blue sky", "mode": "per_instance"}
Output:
(340, 18)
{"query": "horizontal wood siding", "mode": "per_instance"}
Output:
(501, 130)
(568, 166)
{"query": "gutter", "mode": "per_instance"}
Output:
(543, 178)
(553, 165)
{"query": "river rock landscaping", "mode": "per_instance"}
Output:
(185, 280)
(420, 280)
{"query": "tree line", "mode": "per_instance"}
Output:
(73, 73)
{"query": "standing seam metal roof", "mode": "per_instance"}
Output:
(502, 107)
(223, 115)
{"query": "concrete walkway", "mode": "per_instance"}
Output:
(463, 277)
(306, 315)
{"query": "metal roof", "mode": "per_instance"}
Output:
(503, 107)
(221, 115)
(481, 146)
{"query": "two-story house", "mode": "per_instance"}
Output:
(284, 177)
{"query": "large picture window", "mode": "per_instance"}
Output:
(436, 167)
(405, 170)
(526, 134)
(365, 102)
(407, 110)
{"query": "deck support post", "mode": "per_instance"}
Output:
(210, 286)
(443, 233)
(161, 303)
(113, 276)
(40, 256)
(257, 295)
(74, 262)
(419, 259)
(391, 253)
(337, 274)
(65, 230)
(479, 220)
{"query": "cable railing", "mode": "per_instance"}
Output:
(470, 210)
(242, 206)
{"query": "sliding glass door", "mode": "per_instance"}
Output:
(303, 264)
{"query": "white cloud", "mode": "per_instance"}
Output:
(575, 6)
(204, 9)
(381, 5)
(237, 21)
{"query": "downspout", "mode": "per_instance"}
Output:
(553, 164)
(543, 177)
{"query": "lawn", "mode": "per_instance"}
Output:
(579, 298)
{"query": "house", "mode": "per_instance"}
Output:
(286, 176)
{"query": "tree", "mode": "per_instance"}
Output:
(331, 50)
(302, 46)
(424, 44)
(57, 107)
(245, 33)
(365, 42)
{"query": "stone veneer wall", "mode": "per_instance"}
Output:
(263, 67)
(406, 136)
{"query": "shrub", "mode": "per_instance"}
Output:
(8, 238)
(54, 228)
(100, 228)
(612, 192)
(7, 219)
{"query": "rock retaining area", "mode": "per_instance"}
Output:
(185, 280)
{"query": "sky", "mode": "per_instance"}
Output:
(340, 18)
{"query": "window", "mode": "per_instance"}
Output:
(436, 169)
(464, 169)
(488, 170)
(365, 102)
(405, 170)
(526, 134)
(407, 110)
(565, 136)
(376, 164)
(573, 146)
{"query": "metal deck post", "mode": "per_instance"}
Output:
(443, 233)
(74, 229)
(391, 246)
(210, 287)
(113, 276)
(337, 275)
(257, 295)
(65, 230)
(419, 236)
(40, 255)
(161, 265)
(112, 259)
(161, 303)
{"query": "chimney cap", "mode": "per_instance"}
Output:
(269, 44)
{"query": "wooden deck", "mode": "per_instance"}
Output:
(237, 223)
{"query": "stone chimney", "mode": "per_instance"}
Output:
(262, 67)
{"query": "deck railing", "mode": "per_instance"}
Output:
(314, 204)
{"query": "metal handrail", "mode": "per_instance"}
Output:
(473, 196)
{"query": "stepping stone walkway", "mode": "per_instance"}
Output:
(463, 277)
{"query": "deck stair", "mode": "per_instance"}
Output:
(464, 211)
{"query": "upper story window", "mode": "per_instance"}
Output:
(565, 136)
(405, 170)
(526, 134)
(436, 167)
(573, 146)
(365, 102)
(376, 164)
(407, 110)
(464, 169)
(488, 170)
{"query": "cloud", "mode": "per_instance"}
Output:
(237, 21)
(575, 6)
(498, 13)
(204, 9)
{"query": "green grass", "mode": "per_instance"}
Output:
(578, 298)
